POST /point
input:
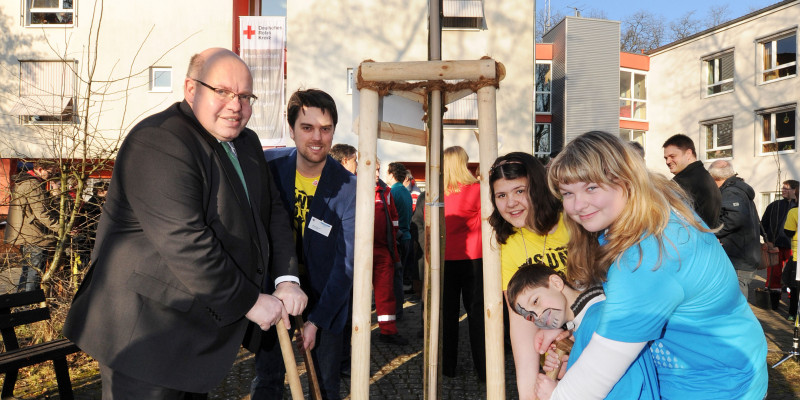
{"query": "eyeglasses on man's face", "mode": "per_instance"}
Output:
(227, 95)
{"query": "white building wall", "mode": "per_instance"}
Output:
(321, 48)
(133, 37)
(677, 101)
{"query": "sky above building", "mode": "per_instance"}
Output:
(670, 10)
(273, 8)
(614, 9)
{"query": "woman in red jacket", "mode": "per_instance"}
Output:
(463, 265)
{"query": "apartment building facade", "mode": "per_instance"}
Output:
(734, 89)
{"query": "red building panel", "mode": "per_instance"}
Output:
(636, 125)
(633, 61)
(544, 51)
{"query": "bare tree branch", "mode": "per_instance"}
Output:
(685, 26)
(718, 14)
(641, 31)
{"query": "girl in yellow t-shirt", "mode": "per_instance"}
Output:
(527, 222)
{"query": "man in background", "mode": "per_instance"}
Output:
(740, 230)
(395, 176)
(346, 155)
(681, 158)
(29, 225)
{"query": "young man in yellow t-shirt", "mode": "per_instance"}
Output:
(320, 195)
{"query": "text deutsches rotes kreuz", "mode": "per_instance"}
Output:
(265, 32)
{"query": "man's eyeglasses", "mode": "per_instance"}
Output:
(227, 95)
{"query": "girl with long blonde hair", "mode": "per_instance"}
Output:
(668, 282)
(463, 265)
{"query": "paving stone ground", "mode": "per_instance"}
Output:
(396, 372)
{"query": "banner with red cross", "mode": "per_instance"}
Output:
(262, 43)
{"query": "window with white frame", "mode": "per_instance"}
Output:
(778, 132)
(462, 112)
(779, 56)
(719, 138)
(49, 12)
(632, 95)
(766, 199)
(632, 135)
(462, 14)
(160, 79)
(543, 87)
(719, 73)
(541, 141)
(47, 92)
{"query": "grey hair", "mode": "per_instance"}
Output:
(721, 170)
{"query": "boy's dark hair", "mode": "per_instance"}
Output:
(310, 98)
(530, 275)
(398, 171)
(544, 208)
(682, 142)
(342, 151)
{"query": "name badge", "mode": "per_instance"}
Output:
(320, 226)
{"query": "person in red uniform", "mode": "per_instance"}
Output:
(385, 256)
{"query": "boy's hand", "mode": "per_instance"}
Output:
(553, 363)
(545, 337)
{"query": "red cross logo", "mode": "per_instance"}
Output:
(249, 31)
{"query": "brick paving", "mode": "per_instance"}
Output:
(396, 372)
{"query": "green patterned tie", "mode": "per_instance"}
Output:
(230, 150)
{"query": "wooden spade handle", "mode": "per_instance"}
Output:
(289, 362)
(311, 372)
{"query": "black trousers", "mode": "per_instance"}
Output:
(788, 278)
(463, 278)
(118, 386)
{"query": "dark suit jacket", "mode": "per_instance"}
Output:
(180, 256)
(700, 186)
(329, 259)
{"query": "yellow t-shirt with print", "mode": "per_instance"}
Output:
(304, 190)
(550, 249)
(791, 224)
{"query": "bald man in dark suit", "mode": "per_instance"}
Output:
(192, 228)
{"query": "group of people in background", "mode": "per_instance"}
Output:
(35, 218)
(207, 242)
(779, 224)
(726, 202)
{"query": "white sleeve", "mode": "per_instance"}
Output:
(598, 369)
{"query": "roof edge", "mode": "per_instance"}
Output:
(718, 27)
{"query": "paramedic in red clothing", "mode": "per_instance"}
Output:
(463, 265)
(385, 257)
(385, 253)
